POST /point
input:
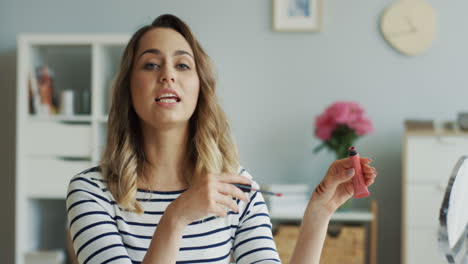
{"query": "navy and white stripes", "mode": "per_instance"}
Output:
(104, 233)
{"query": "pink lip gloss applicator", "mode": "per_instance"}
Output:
(360, 188)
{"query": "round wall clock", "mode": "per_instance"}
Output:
(409, 26)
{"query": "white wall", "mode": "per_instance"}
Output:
(273, 84)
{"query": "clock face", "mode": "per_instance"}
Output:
(409, 26)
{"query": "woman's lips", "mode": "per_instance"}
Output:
(167, 102)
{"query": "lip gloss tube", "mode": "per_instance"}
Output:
(360, 188)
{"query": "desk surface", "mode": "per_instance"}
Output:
(354, 215)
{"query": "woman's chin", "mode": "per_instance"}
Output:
(169, 123)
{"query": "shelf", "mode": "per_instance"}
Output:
(62, 118)
(73, 39)
(353, 216)
(103, 119)
(68, 118)
(356, 215)
(55, 175)
(47, 229)
(433, 128)
(55, 69)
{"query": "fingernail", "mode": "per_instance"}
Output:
(350, 172)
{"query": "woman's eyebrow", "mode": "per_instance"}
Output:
(158, 52)
(182, 52)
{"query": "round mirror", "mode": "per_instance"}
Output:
(453, 219)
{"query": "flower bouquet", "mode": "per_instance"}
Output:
(340, 125)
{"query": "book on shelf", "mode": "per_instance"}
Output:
(294, 209)
(41, 95)
(293, 201)
(288, 188)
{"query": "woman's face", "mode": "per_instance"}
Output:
(164, 81)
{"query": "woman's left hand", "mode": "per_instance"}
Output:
(337, 185)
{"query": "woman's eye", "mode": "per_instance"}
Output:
(151, 66)
(183, 66)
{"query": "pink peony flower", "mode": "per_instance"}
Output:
(324, 126)
(342, 112)
(340, 125)
(362, 126)
(339, 112)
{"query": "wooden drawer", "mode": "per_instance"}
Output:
(431, 159)
(423, 203)
(422, 247)
(49, 178)
(58, 139)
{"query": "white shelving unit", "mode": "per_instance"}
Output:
(51, 149)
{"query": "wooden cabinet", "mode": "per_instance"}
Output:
(429, 156)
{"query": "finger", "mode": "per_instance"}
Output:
(346, 176)
(368, 169)
(365, 160)
(220, 211)
(345, 163)
(369, 182)
(229, 189)
(338, 168)
(228, 202)
(233, 178)
(336, 176)
(370, 175)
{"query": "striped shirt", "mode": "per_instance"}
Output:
(102, 232)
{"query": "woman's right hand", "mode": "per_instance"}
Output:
(209, 194)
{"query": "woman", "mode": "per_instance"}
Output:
(164, 189)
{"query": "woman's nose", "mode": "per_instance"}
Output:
(167, 75)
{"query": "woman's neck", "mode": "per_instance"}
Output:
(167, 163)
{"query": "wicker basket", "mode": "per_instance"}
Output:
(285, 238)
(343, 244)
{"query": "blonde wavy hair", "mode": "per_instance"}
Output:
(210, 147)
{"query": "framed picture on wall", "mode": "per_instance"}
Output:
(297, 15)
